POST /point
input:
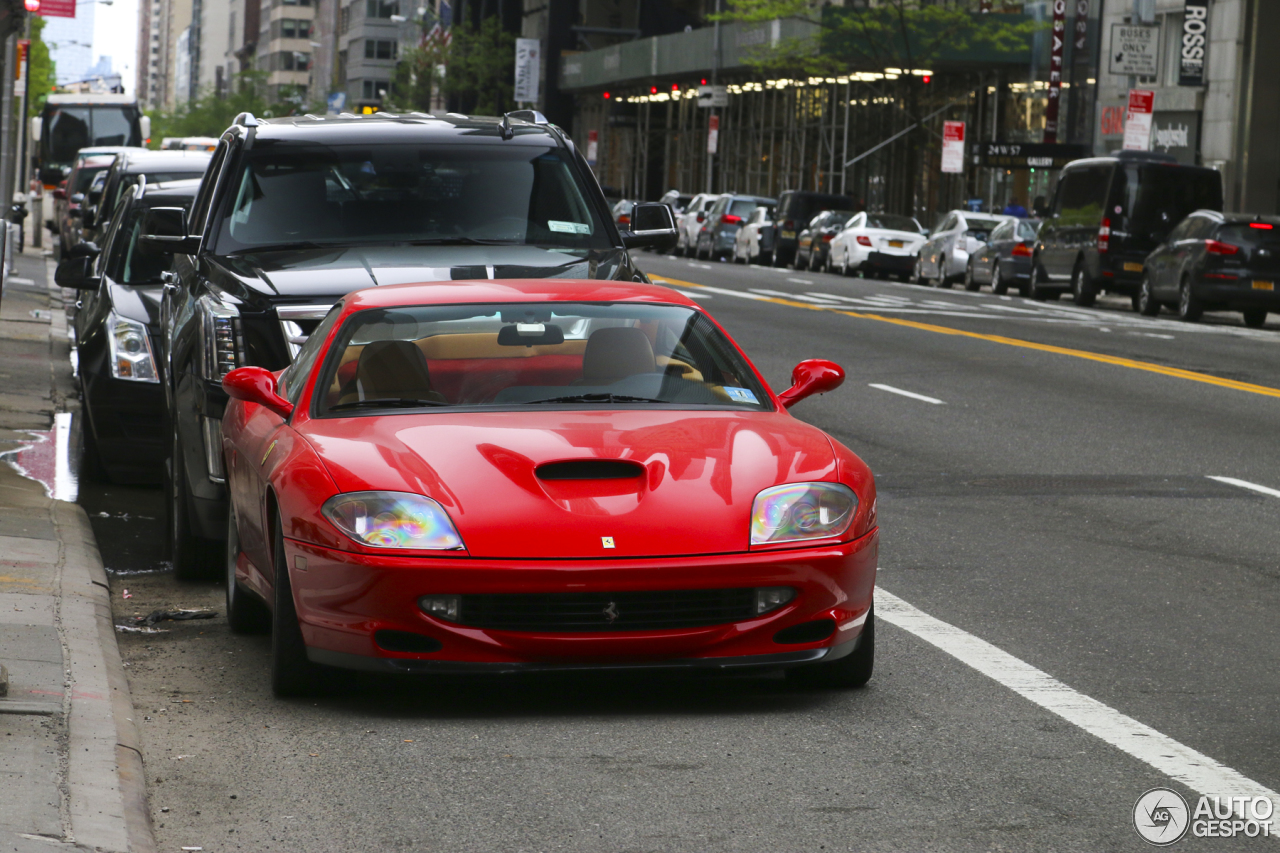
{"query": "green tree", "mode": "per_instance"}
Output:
(417, 78)
(41, 68)
(481, 68)
(210, 115)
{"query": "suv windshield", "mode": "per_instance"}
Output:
(394, 193)
(529, 355)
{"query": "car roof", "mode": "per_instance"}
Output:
(142, 161)
(171, 189)
(97, 160)
(485, 291)
(760, 198)
(408, 127)
(1240, 218)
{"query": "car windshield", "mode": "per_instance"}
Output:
(1027, 228)
(743, 207)
(980, 224)
(85, 176)
(892, 223)
(507, 356)
(70, 128)
(415, 194)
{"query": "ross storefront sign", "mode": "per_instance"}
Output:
(528, 69)
(1058, 38)
(1177, 133)
(1137, 120)
(953, 147)
(1195, 40)
(1135, 50)
(1029, 155)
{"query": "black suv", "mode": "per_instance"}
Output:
(117, 327)
(294, 213)
(795, 209)
(129, 168)
(1107, 216)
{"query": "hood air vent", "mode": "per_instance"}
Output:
(589, 469)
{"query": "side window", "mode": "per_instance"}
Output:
(1203, 229)
(200, 210)
(950, 223)
(1186, 229)
(720, 206)
(1001, 231)
(107, 263)
(1081, 196)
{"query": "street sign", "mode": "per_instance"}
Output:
(528, 66)
(953, 146)
(1137, 121)
(1195, 38)
(713, 134)
(1029, 155)
(713, 96)
(593, 146)
(1135, 50)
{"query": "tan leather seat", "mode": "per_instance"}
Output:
(615, 353)
(394, 370)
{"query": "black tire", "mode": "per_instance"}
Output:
(851, 671)
(917, 274)
(998, 285)
(1035, 290)
(1190, 308)
(193, 558)
(292, 672)
(970, 283)
(1255, 318)
(1082, 290)
(1145, 302)
(246, 613)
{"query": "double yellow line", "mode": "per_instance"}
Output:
(1149, 367)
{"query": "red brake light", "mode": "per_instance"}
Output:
(606, 96)
(1104, 236)
(1022, 250)
(789, 224)
(864, 240)
(731, 219)
(826, 238)
(624, 219)
(1213, 247)
(1265, 226)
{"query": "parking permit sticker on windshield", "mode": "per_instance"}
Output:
(741, 395)
(568, 227)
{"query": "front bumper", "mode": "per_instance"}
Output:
(128, 423)
(344, 599)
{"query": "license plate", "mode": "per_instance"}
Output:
(895, 244)
(1263, 285)
(787, 235)
(1130, 266)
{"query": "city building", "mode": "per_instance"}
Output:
(70, 42)
(285, 47)
(161, 24)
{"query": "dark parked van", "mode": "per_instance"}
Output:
(1107, 216)
(795, 209)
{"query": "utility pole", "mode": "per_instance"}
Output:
(712, 118)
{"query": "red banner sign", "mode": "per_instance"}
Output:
(58, 8)
(1059, 36)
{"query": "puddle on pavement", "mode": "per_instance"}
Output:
(48, 459)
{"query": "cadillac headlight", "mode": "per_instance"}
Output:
(393, 520)
(223, 341)
(799, 511)
(130, 350)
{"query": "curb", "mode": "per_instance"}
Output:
(106, 781)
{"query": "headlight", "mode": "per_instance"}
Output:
(223, 342)
(800, 511)
(393, 520)
(130, 349)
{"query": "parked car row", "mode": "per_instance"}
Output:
(420, 449)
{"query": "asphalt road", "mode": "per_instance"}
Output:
(1054, 504)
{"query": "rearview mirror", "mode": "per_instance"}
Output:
(651, 225)
(164, 229)
(812, 376)
(530, 335)
(256, 385)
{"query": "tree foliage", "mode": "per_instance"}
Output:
(417, 78)
(481, 64)
(211, 114)
(43, 72)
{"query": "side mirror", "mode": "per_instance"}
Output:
(76, 269)
(651, 225)
(812, 376)
(164, 229)
(256, 385)
(37, 125)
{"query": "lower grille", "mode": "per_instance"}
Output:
(607, 611)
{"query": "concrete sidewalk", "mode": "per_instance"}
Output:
(70, 768)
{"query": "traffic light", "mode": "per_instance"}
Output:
(606, 96)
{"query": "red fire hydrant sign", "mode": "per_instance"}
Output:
(953, 146)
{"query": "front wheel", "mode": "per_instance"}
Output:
(998, 284)
(1255, 318)
(246, 614)
(852, 670)
(970, 283)
(1082, 292)
(1146, 305)
(1035, 289)
(292, 672)
(1190, 308)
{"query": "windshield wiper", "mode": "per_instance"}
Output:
(387, 403)
(299, 244)
(599, 398)
(462, 241)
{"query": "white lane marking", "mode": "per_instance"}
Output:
(910, 394)
(799, 281)
(693, 294)
(1245, 484)
(780, 294)
(719, 290)
(1181, 763)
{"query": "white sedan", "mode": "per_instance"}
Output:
(689, 223)
(877, 244)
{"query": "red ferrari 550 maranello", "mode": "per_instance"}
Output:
(496, 476)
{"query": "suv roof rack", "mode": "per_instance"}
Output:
(531, 116)
(246, 119)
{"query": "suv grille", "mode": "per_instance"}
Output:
(607, 611)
